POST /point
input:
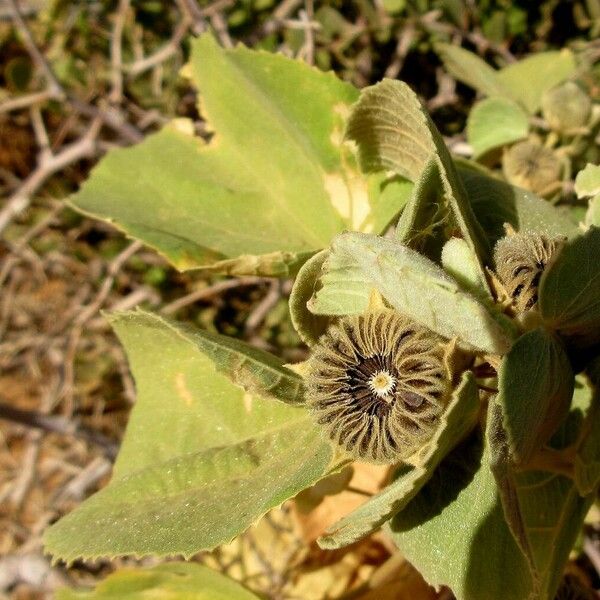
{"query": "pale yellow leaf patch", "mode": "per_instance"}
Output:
(182, 389)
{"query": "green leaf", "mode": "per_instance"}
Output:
(528, 79)
(412, 284)
(545, 510)
(587, 460)
(592, 215)
(525, 81)
(458, 260)
(458, 420)
(455, 534)
(202, 458)
(587, 182)
(566, 108)
(175, 581)
(274, 184)
(310, 327)
(394, 132)
(569, 293)
(494, 122)
(535, 386)
(424, 213)
(470, 69)
(496, 202)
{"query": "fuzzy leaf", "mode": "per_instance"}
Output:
(544, 510)
(587, 182)
(175, 581)
(309, 326)
(496, 202)
(394, 132)
(535, 386)
(494, 122)
(458, 260)
(470, 69)
(424, 212)
(528, 79)
(272, 186)
(455, 534)
(569, 294)
(412, 284)
(457, 422)
(194, 438)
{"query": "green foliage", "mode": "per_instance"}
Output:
(412, 284)
(535, 386)
(176, 581)
(210, 450)
(570, 291)
(458, 516)
(525, 81)
(495, 122)
(394, 131)
(271, 187)
(220, 433)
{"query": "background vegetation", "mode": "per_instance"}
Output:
(78, 78)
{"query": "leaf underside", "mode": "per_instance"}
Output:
(194, 438)
(412, 284)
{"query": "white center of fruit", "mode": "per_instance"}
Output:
(382, 384)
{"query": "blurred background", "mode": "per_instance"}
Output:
(78, 78)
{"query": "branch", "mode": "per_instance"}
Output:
(54, 87)
(21, 199)
(57, 424)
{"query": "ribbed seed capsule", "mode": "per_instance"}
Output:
(531, 166)
(520, 260)
(378, 385)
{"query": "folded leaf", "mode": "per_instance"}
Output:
(535, 386)
(459, 419)
(194, 438)
(175, 581)
(272, 186)
(494, 122)
(412, 284)
(544, 510)
(569, 292)
(394, 132)
(425, 213)
(309, 326)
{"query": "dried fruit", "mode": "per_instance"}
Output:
(566, 107)
(531, 166)
(520, 260)
(378, 384)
